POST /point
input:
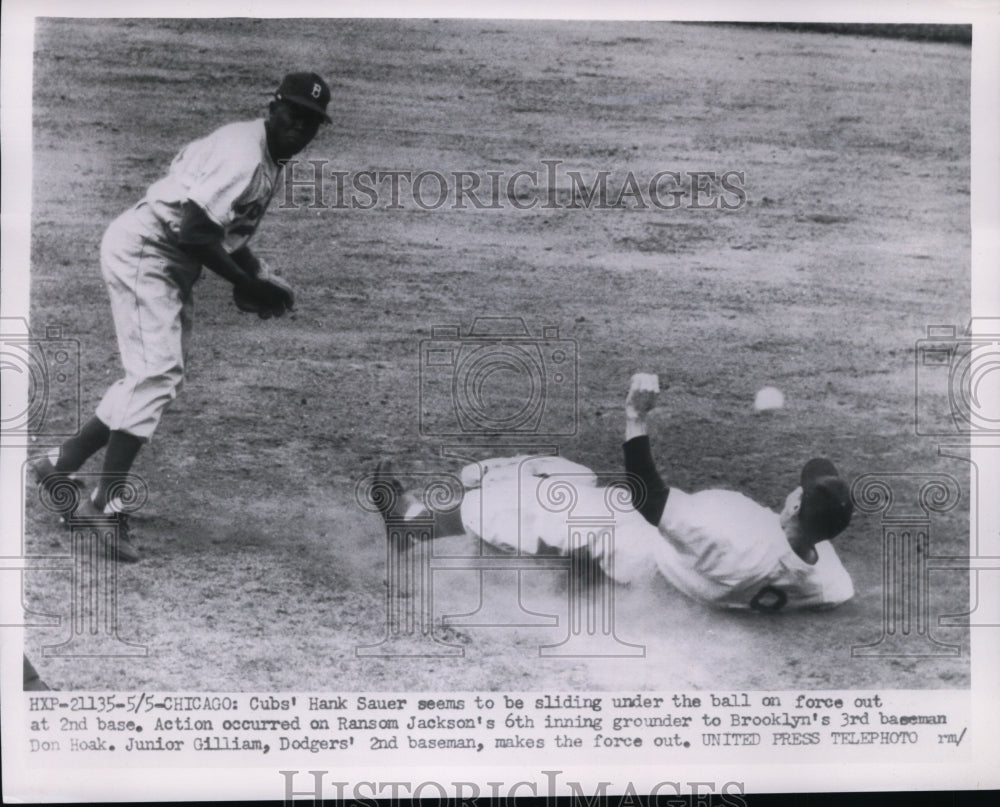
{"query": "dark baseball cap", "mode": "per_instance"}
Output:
(307, 90)
(826, 500)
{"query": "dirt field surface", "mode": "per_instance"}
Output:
(261, 572)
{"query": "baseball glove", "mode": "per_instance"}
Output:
(269, 295)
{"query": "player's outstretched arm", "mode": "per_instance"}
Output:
(649, 493)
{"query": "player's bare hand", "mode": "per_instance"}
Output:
(642, 394)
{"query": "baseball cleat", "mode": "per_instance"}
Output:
(60, 492)
(122, 549)
(393, 501)
(32, 682)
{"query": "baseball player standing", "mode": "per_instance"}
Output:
(202, 213)
(716, 546)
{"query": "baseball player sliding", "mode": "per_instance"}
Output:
(716, 546)
(202, 213)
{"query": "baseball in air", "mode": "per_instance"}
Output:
(768, 398)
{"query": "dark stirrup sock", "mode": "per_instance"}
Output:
(77, 450)
(649, 493)
(122, 450)
(32, 683)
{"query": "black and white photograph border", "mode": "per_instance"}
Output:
(377, 503)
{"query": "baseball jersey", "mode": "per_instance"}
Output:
(229, 174)
(717, 546)
(723, 548)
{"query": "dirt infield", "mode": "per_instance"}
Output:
(261, 572)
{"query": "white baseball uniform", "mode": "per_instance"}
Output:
(720, 547)
(716, 546)
(231, 176)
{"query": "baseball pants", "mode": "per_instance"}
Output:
(153, 315)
